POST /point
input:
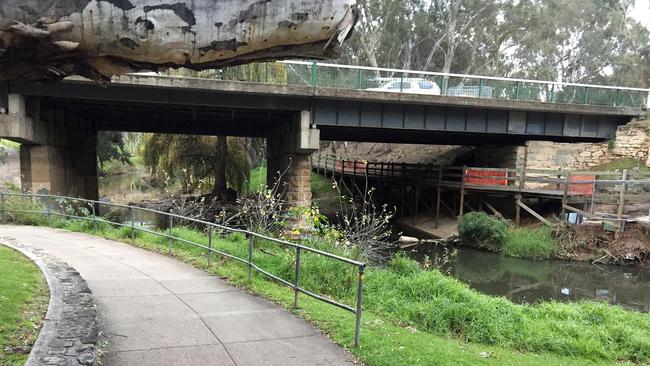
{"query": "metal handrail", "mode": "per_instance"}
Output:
(357, 310)
(465, 76)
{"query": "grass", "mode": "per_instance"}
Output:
(23, 302)
(258, 178)
(485, 231)
(420, 317)
(529, 243)
(623, 163)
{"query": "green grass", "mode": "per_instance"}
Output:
(529, 243)
(23, 302)
(620, 164)
(258, 178)
(420, 317)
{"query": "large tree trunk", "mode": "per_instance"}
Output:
(220, 183)
(51, 39)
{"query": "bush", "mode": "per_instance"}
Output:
(482, 230)
(529, 243)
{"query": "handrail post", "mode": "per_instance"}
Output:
(401, 82)
(132, 224)
(480, 87)
(209, 246)
(2, 206)
(314, 74)
(617, 101)
(171, 240)
(296, 289)
(586, 100)
(357, 332)
(49, 211)
(552, 96)
(94, 215)
(359, 79)
(516, 90)
(250, 258)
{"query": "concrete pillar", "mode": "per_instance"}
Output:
(68, 171)
(58, 152)
(289, 149)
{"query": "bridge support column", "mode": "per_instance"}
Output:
(290, 146)
(58, 152)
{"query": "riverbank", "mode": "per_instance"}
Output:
(587, 242)
(24, 297)
(417, 316)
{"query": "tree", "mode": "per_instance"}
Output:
(110, 146)
(197, 159)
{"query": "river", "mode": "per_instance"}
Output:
(527, 281)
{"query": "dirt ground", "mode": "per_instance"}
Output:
(398, 153)
(590, 242)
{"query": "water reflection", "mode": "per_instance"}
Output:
(525, 281)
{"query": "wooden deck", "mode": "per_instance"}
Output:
(584, 189)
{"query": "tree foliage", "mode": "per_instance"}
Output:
(110, 146)
(572, 41)
(195, 156)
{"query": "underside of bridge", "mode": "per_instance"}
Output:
(58, 123)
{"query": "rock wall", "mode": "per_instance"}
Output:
(632, 141)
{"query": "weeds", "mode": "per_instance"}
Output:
(529, 243)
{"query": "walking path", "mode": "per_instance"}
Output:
(155, 310)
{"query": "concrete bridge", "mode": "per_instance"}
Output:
(57, 123)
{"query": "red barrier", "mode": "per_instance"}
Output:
(473, 177)
(586, 188)
(349, 166)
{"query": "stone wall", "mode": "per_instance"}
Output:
(631, 141)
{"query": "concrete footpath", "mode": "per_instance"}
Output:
(154, 310)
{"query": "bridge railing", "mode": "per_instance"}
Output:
(318, 74)
(36, 207)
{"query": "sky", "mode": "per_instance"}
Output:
(641, 12)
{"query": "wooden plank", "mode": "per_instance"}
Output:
(494, 210)
(532, 212)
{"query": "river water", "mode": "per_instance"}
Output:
(526, 281)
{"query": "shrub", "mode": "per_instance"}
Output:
(529, 243)
(482, 230)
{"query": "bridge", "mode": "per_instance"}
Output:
(294, 105)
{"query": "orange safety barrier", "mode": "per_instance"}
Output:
(349, 166)
(586, 188)
(474, 177)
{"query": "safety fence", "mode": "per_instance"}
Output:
(316, 74)
(145, 220)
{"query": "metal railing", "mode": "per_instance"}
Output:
(61, 206)
(318, 74)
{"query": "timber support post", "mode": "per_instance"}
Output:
(462, 192)
(621, 204)
(438, 196)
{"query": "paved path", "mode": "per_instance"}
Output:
(158, 311)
